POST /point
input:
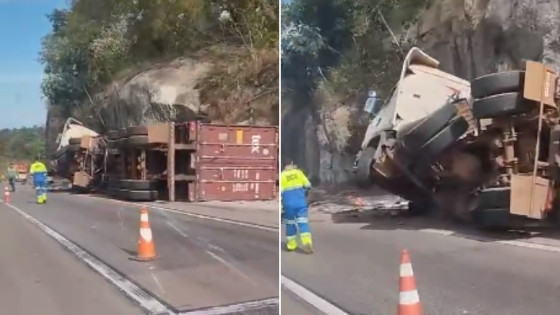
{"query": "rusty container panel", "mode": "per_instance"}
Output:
(237, 173)
(232, 190)
(237, 145)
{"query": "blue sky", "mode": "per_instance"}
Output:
(22, 25)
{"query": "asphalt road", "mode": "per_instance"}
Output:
(202, 263)
(355, 267)
(37, 276)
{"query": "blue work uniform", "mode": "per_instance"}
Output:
(293, 188)
(38, 172)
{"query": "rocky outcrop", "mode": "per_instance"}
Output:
(475, 37)
(470, 38)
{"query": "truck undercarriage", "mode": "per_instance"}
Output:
(489, 156)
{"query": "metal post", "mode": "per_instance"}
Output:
(538, 144)
(171, 162)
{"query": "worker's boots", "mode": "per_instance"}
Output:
(307, 243)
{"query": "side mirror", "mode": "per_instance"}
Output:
(371, 103)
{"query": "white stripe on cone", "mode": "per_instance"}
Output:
(146, 234)
(406, 270)
(409, 297)
(144, 217)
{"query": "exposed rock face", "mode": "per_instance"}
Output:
(470, 38)
(161, 93)
(475, 37)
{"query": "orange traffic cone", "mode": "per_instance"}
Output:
(6, 195)
(409, 301)
(146, 248)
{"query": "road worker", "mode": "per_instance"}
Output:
(38, 171)
(12, 174)
(294, 186)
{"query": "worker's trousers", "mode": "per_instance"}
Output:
(296, 218)
(41, 191)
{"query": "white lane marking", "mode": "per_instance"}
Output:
(548, 248)
(313, 299)
(216, 248)
(230, 266)
(121, 222)
(194, 215)
(177, 229)
(143, 298)
(156, 280)
(235, 308)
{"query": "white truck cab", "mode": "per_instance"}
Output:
(421, 90)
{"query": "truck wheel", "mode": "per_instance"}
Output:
(112, 135)
(497, 218)
(137, 184)
(137, 141)
(501, 105)
(75, 141)
(494, 198)
(363, 172)
(142, 195)
(497, 83)
(444, 139)
(137, 131)
(427, 128)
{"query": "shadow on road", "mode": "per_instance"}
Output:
(383, 220)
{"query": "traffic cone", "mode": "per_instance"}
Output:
(146, 247)
(6, 195)
(409, 301)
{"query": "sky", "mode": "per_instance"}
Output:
(23, 23)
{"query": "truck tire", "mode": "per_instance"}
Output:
(427, 128)
(137, 131)
(494, 198)
(497, 218)
(363, 171)
(443, 139)
(142, 195)
(73, 147)
(75, 141)
(137, 141)
(112, 135)
(137, 184)
(497, 83)
(501, 105)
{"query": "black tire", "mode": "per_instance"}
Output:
(137, 141)
(500, 105)
(73, 147)
(491, 218)
(363, 171)
(75, 141)
(497, 83)
(137, 131)
(137, 184)
(420, 207)
(494, 198)
(443, 139)
(427, 128)
(112, 135)
(142, 195)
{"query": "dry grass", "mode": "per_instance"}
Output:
(242, 86)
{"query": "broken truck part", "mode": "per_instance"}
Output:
(487, 150)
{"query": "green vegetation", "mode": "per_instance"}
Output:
(95, 41)
(23, 144)
(334, 51)
(345, 46)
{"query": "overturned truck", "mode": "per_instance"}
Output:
(486, 150)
